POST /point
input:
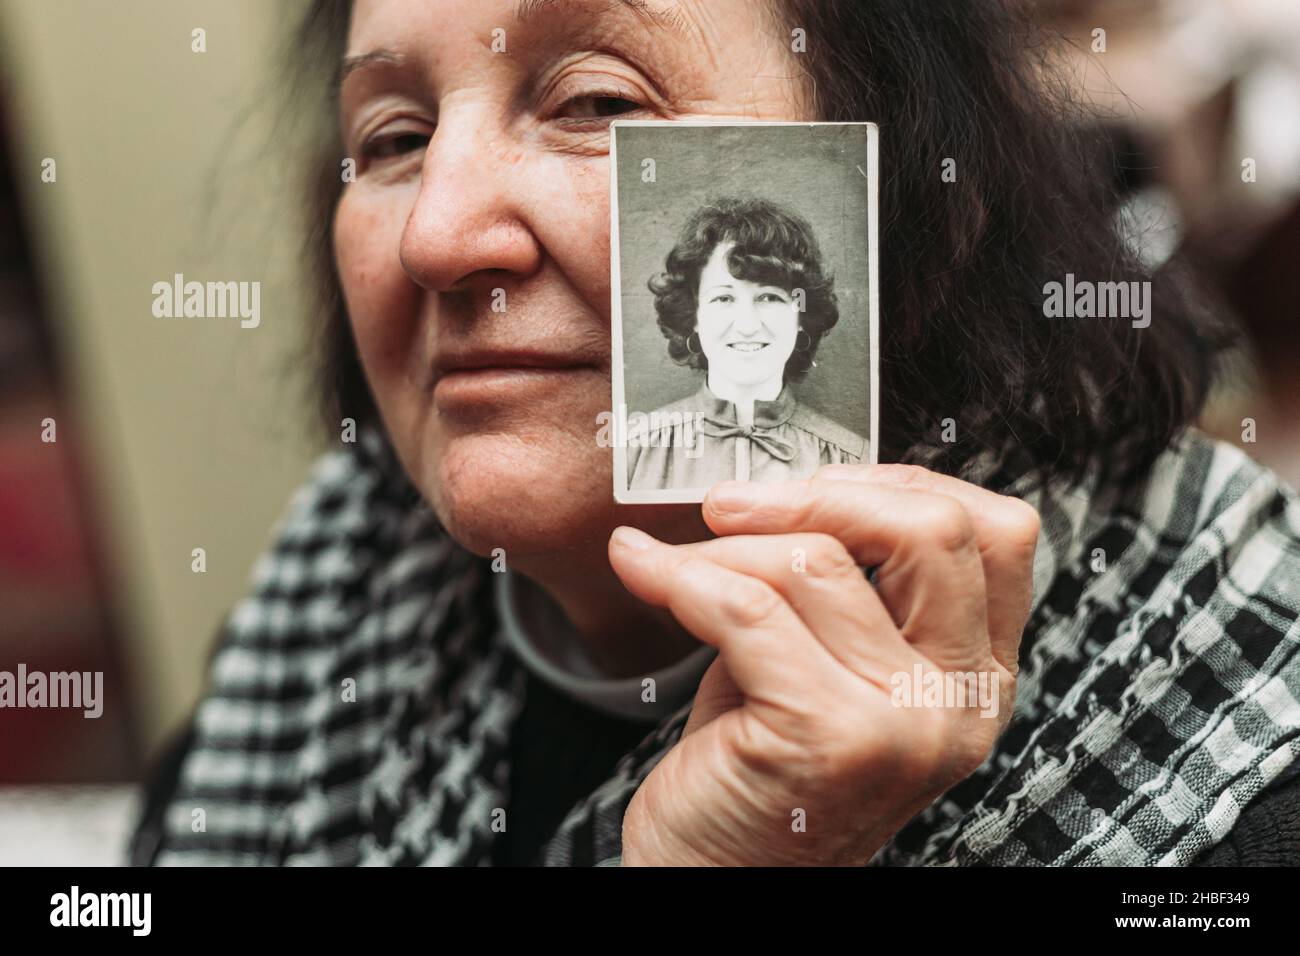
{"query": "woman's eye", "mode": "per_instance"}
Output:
(772, 297)
(721, 298)
(397, 144)
(598, 107)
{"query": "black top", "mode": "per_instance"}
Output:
(560, 751)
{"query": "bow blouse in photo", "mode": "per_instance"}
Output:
(698, 441)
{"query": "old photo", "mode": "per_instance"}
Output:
(744, 309)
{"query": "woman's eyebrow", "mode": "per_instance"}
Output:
(668, 18)
(525, 10)
(380, 59)
(353, 63)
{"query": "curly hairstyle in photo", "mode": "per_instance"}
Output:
(972, 85)
(773, 246)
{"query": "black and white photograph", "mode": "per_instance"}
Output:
(744, 308)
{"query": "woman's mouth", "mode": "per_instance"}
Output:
(491, 377)
(747, 346)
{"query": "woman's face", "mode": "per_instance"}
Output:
(747, 330)
(473, 245)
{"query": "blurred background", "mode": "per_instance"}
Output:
(127, 157)
(171, 434)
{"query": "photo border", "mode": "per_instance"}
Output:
(622, 494)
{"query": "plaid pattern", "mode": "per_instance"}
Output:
(1159, 688)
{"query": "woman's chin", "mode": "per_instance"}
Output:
(530, 498)
(745, 379)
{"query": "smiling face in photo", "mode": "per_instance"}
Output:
(747, 329)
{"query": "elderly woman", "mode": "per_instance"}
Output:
(729, 304)
(1077, 643)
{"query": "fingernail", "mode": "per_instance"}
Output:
(632, 538)
(734, 496)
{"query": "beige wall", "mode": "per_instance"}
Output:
(195, 431)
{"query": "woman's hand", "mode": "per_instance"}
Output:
(799, 749)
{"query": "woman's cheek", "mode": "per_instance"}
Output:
(787, 326)
(381, 300)
(576, 223)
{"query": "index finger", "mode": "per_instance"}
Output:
(1006, 529)
(874, 509)
(931, 576)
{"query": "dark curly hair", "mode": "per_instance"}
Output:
(773, 246)
(968, 85)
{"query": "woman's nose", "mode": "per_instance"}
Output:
(745, 317)
(468, 228)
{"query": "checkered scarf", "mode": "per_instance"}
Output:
(362, 697)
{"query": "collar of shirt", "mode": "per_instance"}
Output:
(546, 643)
(766, 414)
